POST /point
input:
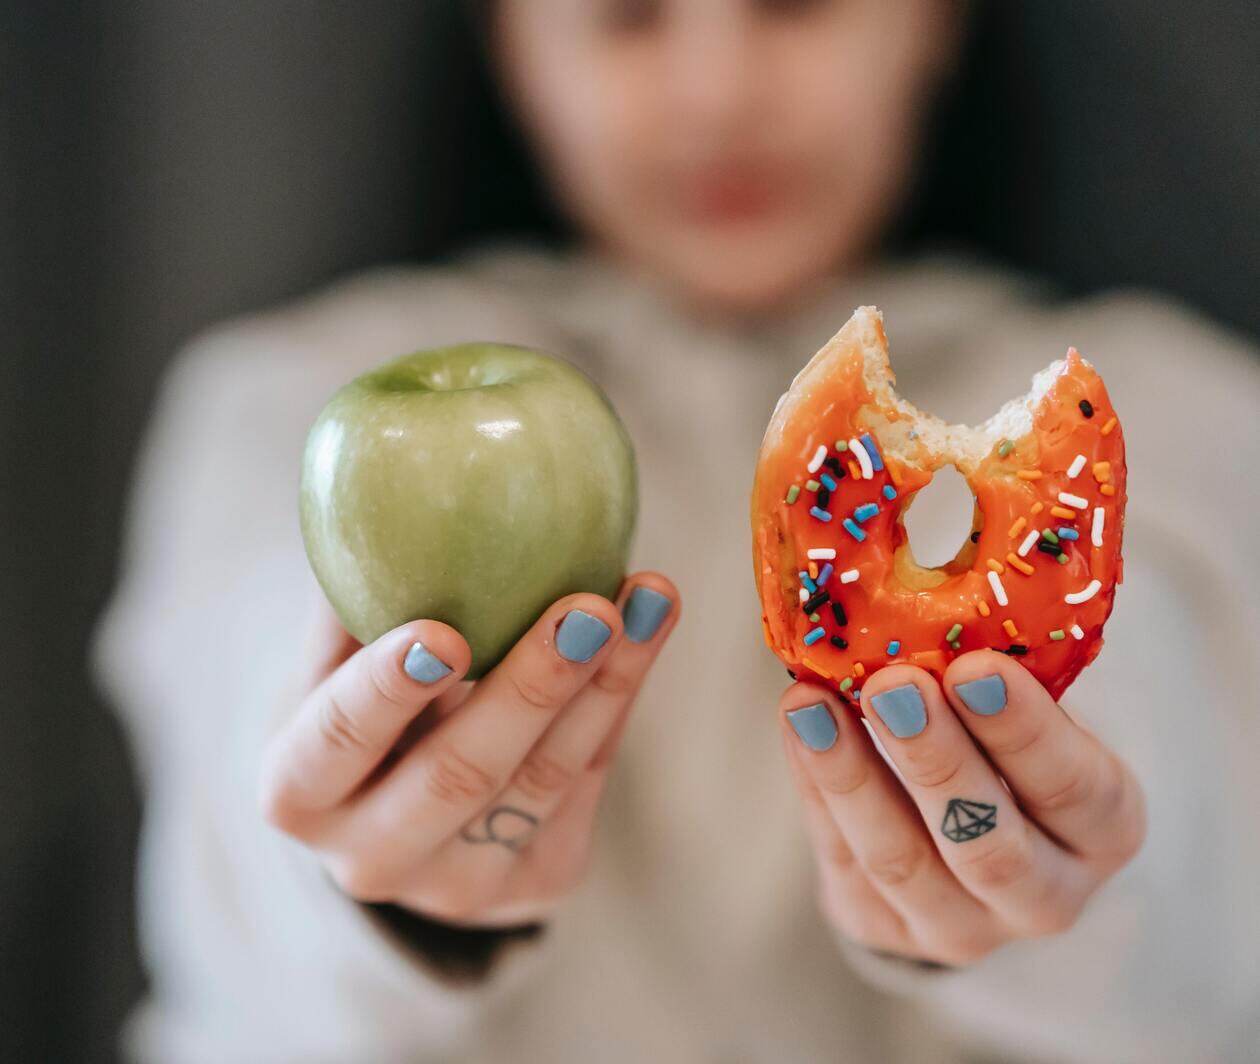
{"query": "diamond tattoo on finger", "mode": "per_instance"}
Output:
(966, 820)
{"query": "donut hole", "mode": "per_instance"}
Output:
(939, 520)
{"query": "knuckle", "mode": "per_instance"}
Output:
(454, 780)
(894, 867)
(362, 879)
(338, 727)
(839, 855)
(615, 681)
(1002, 864)
(533, 694)
(843, 781)
(1076, 789)
(384, 684)
(965, 949)
(456, 903)
(1019, 742)
(542, 776)
(934, 769)
(1054, 917)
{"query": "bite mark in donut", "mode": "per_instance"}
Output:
(844, 455)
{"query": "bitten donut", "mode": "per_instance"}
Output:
(842, 458)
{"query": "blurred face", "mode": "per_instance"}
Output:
(740, 149)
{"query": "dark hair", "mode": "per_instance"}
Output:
(481, 182)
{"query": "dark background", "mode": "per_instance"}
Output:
(169, 162)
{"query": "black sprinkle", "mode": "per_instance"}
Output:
(791, 674)
(833, 463)
(824, 498)
(836, 641)
(812, 604)
(1046, 547)
(1087, 408)
(1016, 649)
(837, 611)
(975, 536)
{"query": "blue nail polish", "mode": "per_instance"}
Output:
(580, 636)
(422, 666)
(643, 612)
(814, 726)
(902, 710)
(985, 696)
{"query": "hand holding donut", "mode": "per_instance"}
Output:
(471, 804)
(953, 864)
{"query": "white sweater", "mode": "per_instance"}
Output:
(695, 936)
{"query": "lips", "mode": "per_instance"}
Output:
(740, 191)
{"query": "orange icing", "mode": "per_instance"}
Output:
(1011, 492)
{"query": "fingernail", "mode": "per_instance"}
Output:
(985, 696)
(580, 636)
(814, 726)
(423, 666)
(902, 710)
(643, 612)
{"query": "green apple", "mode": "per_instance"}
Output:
(473, 485)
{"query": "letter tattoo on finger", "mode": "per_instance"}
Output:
(504, 824)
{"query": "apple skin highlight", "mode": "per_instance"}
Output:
(473, 485)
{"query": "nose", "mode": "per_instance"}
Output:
(711, 78)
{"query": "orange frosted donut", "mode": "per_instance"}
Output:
(843, 457)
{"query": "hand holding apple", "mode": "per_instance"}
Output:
(473, 485)
(472, 804)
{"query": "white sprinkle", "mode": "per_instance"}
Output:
(1030, 541)
(1078, 463)
(999, 592)
(1076, 632)
(848, 576)
(1096, 530)
(826, 553)
(1073, 500)
(1088, 592)
(816, 462)
(804, 595)
(864, 459)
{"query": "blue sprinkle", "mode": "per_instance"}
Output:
(853, 529)
(865, 512)
(825, 574)
(877, 463)
(822, 515)
(856, 692)
(814, 636)
(890, 492)
(1067, 533)
(894, 647)
(809, 584)
(827, 482)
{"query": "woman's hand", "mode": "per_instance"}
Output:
(468, 803)
(953, 864)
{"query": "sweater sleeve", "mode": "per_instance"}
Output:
(253, 953)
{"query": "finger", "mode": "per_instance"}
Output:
(468, 759)
(994, 851)
(848, 899)
(347, 724)
(883, 828)
(1064, 778)
(326, 644)
(562, 754)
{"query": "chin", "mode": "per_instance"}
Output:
(758, 286)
